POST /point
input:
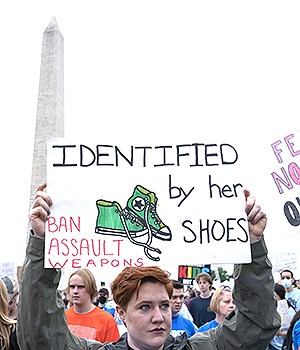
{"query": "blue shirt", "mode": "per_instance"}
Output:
(181, 324)
(207, 326)
(294, 298)
(296, 334)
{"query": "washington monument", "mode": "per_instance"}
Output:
(50, 106)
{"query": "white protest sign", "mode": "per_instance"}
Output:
(7, 268)
(283, 180)
(284, 260)
(118, 205)
(285, 177)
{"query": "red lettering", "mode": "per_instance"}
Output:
(127, 263)
(72, 224)
(57, 264)
(84, 245)
(73, 242)
(182, 271)
(64, 224)
(115, 263)
(54, 244)
(76, 264)
(118, 245)
(104, 262)
(91, 262)
(139, 262)
(52, 227)
(64, 242)
(98, 252)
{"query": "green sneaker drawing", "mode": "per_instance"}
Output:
(112, 220)
(142, 204)
(138, 219)
(109, 221)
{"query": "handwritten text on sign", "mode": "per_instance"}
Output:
(287, 178)
(123, 205)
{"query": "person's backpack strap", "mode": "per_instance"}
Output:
(288, 340)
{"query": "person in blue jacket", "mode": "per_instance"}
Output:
(180, 324)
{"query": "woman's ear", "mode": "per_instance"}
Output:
(122, 313)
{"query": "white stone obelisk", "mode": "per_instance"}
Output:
(50, 106)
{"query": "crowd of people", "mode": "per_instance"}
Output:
(145, 308)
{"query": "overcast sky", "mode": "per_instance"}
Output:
(145, 69)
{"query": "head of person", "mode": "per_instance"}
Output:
(192, 293)
(65, 298)
(287, 278)
(103, 295)
(3, 299)
(177, 297)
(82, 287)
(12, 288)
(143, 295)
(222, 302)
(279, 291)
(6, 323)
(204, 281)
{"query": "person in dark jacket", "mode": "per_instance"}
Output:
(144, 306)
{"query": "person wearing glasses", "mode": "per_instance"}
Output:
(292, 293)
(221, 304)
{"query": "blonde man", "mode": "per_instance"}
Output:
(84, 318)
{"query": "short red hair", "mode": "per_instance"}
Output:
(130, 279)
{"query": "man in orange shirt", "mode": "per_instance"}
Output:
(84, 318)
